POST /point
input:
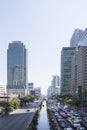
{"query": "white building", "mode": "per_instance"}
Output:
(2, 89)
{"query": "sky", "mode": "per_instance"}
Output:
(45, 26)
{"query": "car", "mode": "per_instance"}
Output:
(68, 128)
(53, 110)
(64, 115)
(60, 119)
(84, 123)
(85, 119)
(80, 128)
(62, 124)
(28, 110)
(76, 124)
(79, 119)
(65, 107)
(69, 119)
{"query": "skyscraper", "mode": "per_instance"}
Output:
(16, 68)
(79, 66)
(76, 37)
(79, 71)
(66, 69)
(83, 40)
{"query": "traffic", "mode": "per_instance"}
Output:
(66, 117)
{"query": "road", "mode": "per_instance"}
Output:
(18, 120)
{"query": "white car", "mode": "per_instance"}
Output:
(76, 124)
(78, 119)
(68, 129)
(81, 128)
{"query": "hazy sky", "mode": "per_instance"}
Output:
(45, 26)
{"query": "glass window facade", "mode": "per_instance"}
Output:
(16, 65)
(66, 66)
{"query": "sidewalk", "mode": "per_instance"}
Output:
(14, 112)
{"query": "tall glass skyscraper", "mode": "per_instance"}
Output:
(67, 54)
(16, 68)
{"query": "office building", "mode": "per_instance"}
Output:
(55, 83)
(37, 91)
(83, 40)
(17, 68)
(67, 54)
(55, 80)
(54, 88)
(79, 69)
(49, 92)
(30, 88)
(76, 37)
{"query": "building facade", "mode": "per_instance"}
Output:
(55, 84)
(79, 70)
(54, 88)
(67, 54)
(76, 37)
(83, 40)
(30, 88)
(17, 68)
(49, 91)
(2, 89)
(37, 91)
(79, 64)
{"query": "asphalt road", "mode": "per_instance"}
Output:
(18, 120)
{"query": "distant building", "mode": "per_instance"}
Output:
(30, 88)
(83, 40)
(2, 89)
(54, 89)
(55, 80)
(17, 68)
(57, 90)
(49, 91)
(54, 84)
(67, 54)
(37, 91)
(76, 37)
(32, 92)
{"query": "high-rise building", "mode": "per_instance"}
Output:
(74, 72)
(76, 37)
(55, 80)
(55, 83)
(54, 89)
(49, 91)
(79, 71)
(67, 54)
(83, 40)
(79, 64)
(17, 68)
